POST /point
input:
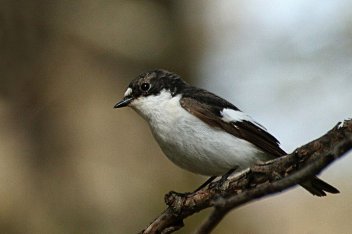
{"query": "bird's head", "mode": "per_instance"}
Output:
(150, 90)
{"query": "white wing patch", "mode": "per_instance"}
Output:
(230, 115)
(128, 92)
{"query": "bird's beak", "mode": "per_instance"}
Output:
(124, 102)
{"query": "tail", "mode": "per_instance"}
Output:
(318, 187)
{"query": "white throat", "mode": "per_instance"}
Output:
(155, 108)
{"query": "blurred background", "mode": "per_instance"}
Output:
(69, 163)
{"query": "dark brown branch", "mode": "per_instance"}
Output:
(256, 182)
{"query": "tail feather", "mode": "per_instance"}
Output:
(318, 187)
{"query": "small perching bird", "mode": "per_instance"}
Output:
(200, 131)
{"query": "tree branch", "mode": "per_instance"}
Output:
(258, 181)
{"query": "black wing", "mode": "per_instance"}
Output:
(207, 107)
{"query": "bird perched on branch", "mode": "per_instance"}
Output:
(202, 132)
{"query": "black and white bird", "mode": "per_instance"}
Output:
(200, 131)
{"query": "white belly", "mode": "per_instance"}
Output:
(202, 149)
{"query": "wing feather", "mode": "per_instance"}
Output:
(245, 129)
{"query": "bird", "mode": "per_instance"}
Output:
(201, 132)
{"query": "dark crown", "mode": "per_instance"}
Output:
(153, 82)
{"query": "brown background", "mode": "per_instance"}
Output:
(69, 163)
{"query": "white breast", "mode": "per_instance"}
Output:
(189, 142)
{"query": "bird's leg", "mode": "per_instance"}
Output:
(208, 181)
(172, 194)
(219, 183)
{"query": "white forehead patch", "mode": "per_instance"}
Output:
(128, 92)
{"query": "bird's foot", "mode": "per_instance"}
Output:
(221, 184)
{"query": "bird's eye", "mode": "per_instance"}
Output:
(145, 87)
